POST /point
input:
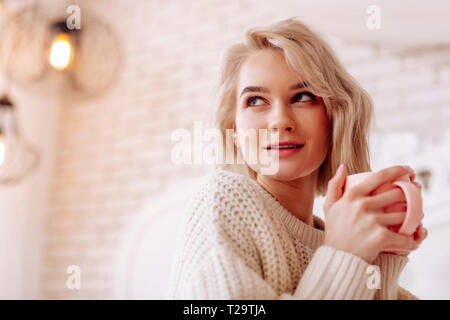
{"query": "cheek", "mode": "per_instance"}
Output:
(247, 120)
(317, 125)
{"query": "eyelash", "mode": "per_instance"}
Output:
(313, 97)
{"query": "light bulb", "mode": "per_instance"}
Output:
(60, 52)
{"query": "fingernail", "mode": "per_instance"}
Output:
(408, 168)
(339, 169)
(423, 231)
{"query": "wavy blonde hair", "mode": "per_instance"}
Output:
(348, 106)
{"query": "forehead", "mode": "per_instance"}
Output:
(265, 66)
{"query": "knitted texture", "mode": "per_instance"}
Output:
(238, 242)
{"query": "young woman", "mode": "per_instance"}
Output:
(254, 236)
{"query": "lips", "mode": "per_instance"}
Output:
(285, 145)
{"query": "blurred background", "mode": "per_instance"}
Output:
(91, 92)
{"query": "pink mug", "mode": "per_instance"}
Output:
(414, 211)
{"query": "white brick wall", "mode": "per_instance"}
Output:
(113, 152)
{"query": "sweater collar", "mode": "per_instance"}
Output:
(308, 235)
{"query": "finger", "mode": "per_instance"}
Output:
(389, 219)
(412, 176)
(418, 232)
(421, 235)
(386, 198)
(418, 184)
(335, 187)
(378, 178)
(400, 242)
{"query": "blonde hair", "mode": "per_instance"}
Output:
(348, 105)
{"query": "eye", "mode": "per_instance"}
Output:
(250, 100)
(305, 97)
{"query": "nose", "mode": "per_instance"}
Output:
(281, 119)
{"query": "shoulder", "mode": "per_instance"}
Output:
(230, 192)
(222, 187)
(220, 224)
(228, 205)
(232, 180)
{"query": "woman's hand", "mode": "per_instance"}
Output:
(356, 223)
(421, 233)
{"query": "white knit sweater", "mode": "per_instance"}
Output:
(239, 242)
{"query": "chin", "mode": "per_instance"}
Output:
(285, 173)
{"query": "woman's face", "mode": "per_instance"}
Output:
(269, 97)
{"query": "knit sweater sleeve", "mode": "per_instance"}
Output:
(391, 265)
(224, 274)
(404, 294)
(220, 259)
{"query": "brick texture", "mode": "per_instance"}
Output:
(113, 151)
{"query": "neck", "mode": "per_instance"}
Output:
(297, 195)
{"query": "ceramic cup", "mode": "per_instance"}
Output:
(413, 196)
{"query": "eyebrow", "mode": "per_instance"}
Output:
(299, 85)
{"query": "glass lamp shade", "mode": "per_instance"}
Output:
(17, 157)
